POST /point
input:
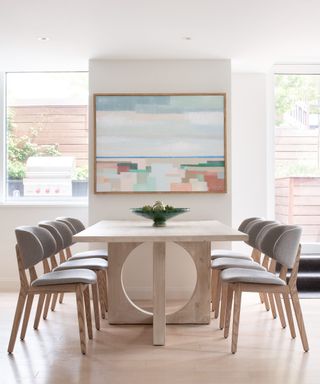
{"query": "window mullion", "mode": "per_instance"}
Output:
(2, 135)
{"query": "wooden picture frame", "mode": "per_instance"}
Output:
(160, 143)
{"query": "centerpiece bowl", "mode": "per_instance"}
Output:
(159, 213)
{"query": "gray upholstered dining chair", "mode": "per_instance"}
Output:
(268, 298)
(77, 226)
(253, 229)
(35, 245)
(98, 265)
(56, 229)
(257, 233)
(216, 253)
(226, 253)
(281, 243)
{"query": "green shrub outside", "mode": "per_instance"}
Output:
(21, 148)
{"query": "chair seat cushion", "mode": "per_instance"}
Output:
(241, 275)
(91, 263)
(215, 253)
(72, 276)
(101, 253)
(228, 262)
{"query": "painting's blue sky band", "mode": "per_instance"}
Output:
(160, 127)
(160, 103)
(159, 157)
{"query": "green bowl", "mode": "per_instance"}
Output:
(159, 217)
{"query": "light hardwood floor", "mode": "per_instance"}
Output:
(193, 354)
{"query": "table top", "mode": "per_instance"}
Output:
(142, 231)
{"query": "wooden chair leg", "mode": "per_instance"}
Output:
(289, 314)
(236, 319)
(39, 310)
(54, 301)
(214, 282)
(96, 305)
(103, 282)
(26, 316)
(217, 296)
(299, 318)
(228, 311)
(224, 295)
(261, 297)
(105, 277)
(272, 305)
(101, 294)
(87, 305)
(280, 310)
(81, 319)
(16, 321)
(61, 298)
(46, 306)
(266, 301)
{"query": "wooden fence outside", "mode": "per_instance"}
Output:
(298, 202)
(297, 199)
(64, 126)
(295, 145)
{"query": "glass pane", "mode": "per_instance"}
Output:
(47, 136)
(297, 157)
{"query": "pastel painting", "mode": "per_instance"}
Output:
(160, 143)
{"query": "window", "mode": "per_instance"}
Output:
(297, 152)
(47, 136)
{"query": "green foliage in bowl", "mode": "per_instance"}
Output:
(158, 212)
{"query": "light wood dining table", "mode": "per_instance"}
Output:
(195, 237)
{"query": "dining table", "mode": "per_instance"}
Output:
(123, 236)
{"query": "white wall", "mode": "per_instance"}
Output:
(249, 147)
(160, 76)
(13, 216)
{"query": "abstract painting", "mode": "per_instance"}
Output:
(160, 143)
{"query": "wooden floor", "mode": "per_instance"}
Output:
(193, 354)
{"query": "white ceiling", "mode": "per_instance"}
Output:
(254, 34)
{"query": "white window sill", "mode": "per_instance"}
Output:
(13, 203)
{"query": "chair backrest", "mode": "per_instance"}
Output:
(35, 244)
(244, 224)
(60, 231)
(254, 229)
(74, 224)
(281, 243)
(263, 232)
(64, 231)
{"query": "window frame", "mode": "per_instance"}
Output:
(288, 69)
(4, 201)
